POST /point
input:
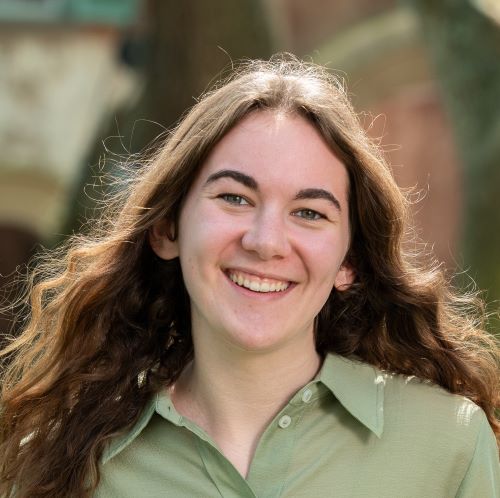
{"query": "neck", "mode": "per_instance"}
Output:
(234, 394)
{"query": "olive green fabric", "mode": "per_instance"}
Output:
(352, 432)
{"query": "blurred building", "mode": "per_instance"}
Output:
(60, 79)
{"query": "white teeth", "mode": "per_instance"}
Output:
(257, 285)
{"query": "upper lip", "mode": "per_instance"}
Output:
(270, 276)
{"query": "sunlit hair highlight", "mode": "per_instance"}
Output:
(108, 322)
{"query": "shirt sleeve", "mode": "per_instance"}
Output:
(482, 478)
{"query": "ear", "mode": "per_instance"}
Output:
(162, 241)
(345, 277)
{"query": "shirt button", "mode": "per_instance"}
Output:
(284, 421)
(307, 395)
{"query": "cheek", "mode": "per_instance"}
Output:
(328, 254)
(204, 239)
(325, 259)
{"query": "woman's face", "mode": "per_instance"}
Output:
(263, 234)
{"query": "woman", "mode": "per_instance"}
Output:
(246, 322)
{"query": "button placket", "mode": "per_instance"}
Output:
(268, 480)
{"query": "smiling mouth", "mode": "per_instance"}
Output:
(255, 283)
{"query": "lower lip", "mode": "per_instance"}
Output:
(260, 295)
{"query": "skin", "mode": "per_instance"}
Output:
(270, 206)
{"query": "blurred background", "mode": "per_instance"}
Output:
(82, 77)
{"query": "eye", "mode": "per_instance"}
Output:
(233, 199)
(309, 214)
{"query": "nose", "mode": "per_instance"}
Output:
(267, 236)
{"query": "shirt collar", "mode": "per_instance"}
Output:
(119, 443)
(359, 387)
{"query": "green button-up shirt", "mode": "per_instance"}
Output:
(352, 432)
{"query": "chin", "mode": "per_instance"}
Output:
(252, 342)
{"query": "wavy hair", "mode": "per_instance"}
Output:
(108, 322)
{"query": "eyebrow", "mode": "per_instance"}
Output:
(250, 182)
(318, 193)
(246, 180)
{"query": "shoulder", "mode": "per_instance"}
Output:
(421, 404)
(431, 439)
(450, 433)
(428, 417)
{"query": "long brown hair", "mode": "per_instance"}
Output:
(109, 322)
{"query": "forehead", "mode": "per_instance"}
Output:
(279, 150)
